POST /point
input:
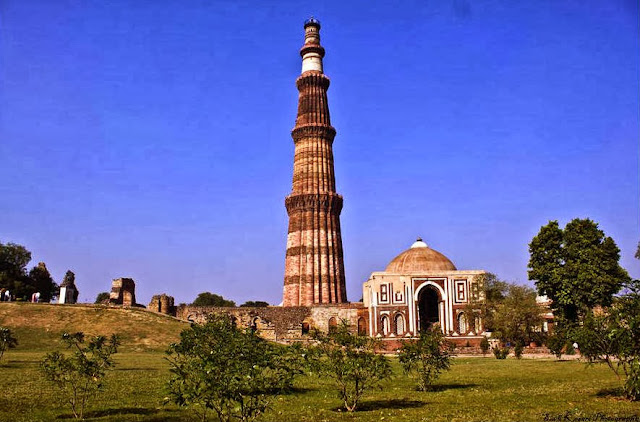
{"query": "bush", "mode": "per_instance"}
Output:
(7, 340)
(79, 376)
(555, 343)
(517, 350)
(614, 338)
(426, 357)
(351, 362)
(217, 367)
(102, 297)
(500, 352)
(484, 346)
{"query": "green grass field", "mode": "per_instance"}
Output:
(476, 389)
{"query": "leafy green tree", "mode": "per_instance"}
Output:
(613, 337)
(517, 318)
(102, 296)
(426, 357)
(555, 342)
(351, 362)
(7, 340)
(212, 299)
(13, 269)
(43, 282)
(80, 376)
(492, 292)
(577, 268)
(236, 374)
(254, 304)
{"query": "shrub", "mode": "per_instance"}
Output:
(614, 338)
(426, 357)
(217, 367)
(500, 352)
(518, 349)
(80, 376)
(555, 343)
(7, 340)
(484, 346)
(351, 362)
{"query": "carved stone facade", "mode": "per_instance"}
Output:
(314, 266)
(420, 288)
(123, 292)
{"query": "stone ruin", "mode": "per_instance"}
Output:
(163, 304)
(123, 292)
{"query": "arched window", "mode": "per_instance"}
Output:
(478, 325)
(462, 323)
(333, 325)
(254, 324)
(305, 328)
(399, 324)
(362, 327)
(384, 323)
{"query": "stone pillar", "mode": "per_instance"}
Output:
(314, 265)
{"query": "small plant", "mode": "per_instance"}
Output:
(484, 346)
(7, 340)
(517, 350)
(80, 376)
(351, 362)
(555, 343)
(236, 374)
(427, 357)
(500, 352)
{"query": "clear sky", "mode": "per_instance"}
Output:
(151, 139)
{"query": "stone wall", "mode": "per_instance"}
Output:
(123, 292)
(282, 324)
(163, 304)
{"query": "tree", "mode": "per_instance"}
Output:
(216, 367)
(80, 376)
(7, 340)
(254, 304)
(102, 297)
(351, 362)
(42, 282)
(13, 269)
(426, 357)
(517, 318)
(211, 299)
(577, 268)
(492, 292)
(613, 337)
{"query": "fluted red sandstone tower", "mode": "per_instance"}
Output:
(314, 266)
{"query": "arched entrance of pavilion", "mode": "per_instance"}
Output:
(429, 307)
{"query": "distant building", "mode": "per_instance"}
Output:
(68, 291)
(419, 288)
(123, 292)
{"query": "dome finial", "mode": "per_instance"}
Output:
(419, 243)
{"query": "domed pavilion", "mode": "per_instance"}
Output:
(419, 288)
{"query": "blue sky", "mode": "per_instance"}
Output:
(151, 139)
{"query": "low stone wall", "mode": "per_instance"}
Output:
(282, 324)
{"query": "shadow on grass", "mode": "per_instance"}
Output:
(453, 386)
(369, 406)
(615, 392)
(296, 390)
(113, 412)
(137, 369)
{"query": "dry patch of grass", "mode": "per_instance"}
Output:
(39, 326)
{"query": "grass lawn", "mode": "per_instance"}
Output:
(476, 389)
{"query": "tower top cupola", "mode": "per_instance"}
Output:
(312, 52)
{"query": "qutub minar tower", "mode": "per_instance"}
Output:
(418, 289)
(314, 265)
